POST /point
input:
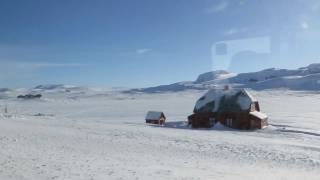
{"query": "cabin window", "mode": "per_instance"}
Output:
(229, 122)
(212, 121)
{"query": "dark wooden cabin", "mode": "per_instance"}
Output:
(234, 108)
(155, 117)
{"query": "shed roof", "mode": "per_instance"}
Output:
(154, 115)
(259, 114)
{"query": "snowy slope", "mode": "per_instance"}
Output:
(103, 136)
(2, 90)
(305, 78)
(269, 74)
(209, 76)
(180, 86)
(263, 75)
(307, 82)
(203, 82)
(59, 88)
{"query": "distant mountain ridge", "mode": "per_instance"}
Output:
(4, 89)
(208, 76)
(58, 87)
(305, 78)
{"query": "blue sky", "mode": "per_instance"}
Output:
(138, 43)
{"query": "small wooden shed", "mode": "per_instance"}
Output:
(155, 117)
(258, 120)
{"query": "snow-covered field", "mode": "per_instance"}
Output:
(102, 135)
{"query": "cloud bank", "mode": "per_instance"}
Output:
(216, 8)
(143, 51)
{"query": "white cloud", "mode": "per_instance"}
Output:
(304, 25)
(221, 6)
(143, 51)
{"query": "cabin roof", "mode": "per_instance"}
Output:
(230, 100)
(259, 114)
(154, 115)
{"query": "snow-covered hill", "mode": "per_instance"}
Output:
(308, 82)
(4, 90)
(305, 78)
(213, 75)
(59, 88)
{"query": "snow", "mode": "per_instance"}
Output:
(209, 76)
(49, 86)
(307, 82)
(219, 126)
(153, 115)
(305, 78)
(245, 101)
(102, 135)
(215, 95)
(259, 114)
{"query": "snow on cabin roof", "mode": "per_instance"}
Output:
(154, 115)
(253, 99)
(231, 100)
(259, 114)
